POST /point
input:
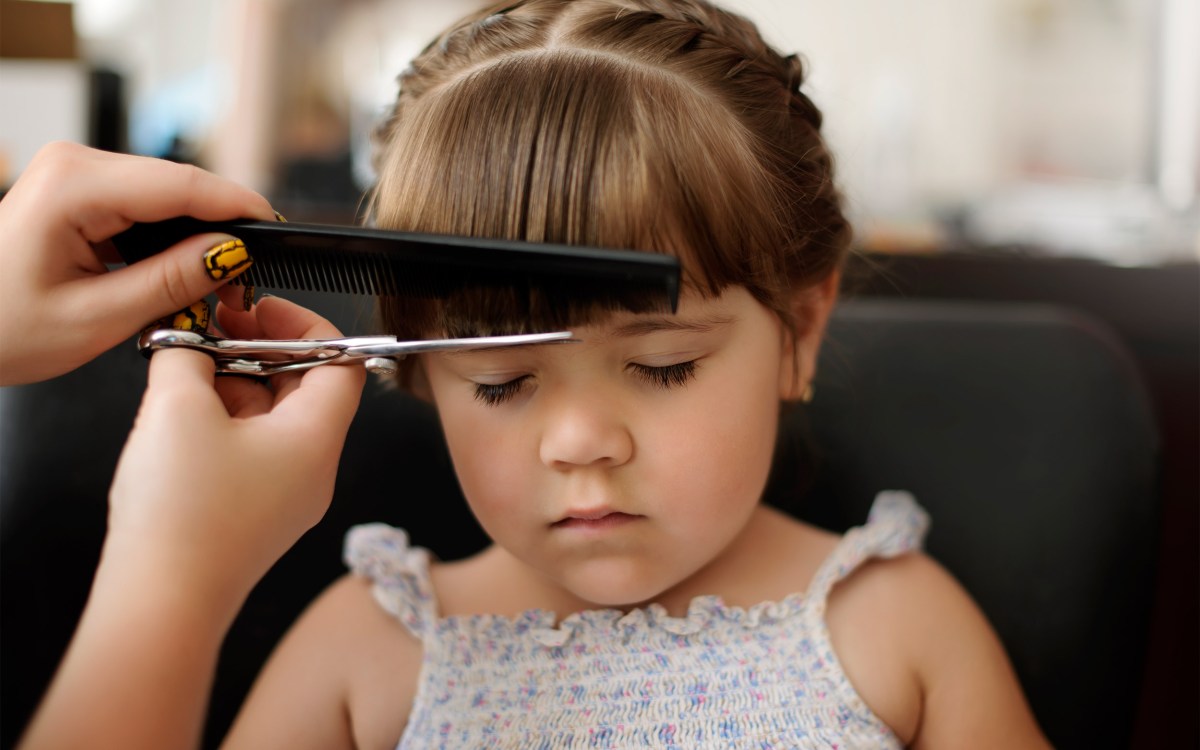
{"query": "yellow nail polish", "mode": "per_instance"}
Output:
(159, 324)
(227, 260)
(194, 318)
(248, 297)
(279, 217)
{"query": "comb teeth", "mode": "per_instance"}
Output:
(357, 260)
(306, 269)
(363, 273)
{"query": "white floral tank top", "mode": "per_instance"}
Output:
(721, 677)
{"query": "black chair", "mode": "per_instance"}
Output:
(1024, 431)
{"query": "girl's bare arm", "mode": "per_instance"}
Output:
(343, 677)
(926, 660)
(970, 694)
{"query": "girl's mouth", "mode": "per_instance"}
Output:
(594, 521)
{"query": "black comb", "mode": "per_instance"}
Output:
(359, 260)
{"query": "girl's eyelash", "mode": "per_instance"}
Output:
(668, 376)
(494, 394)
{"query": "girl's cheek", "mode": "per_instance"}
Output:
(490, 466)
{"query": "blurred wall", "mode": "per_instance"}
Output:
(992, 118)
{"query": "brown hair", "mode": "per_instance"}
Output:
(663, 125)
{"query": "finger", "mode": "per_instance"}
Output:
(237, 296)
(326, 395)
(281, 319)
(237, 324)
(277, 318)
(250, 401)
(244, 397)
(184, 378)
(109, 192)
(172, 280)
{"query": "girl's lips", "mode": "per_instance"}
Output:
(595, 521)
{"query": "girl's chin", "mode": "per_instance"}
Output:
(603, 587)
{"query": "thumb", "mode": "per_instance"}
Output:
(169, 281)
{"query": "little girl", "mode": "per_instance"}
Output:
(637, 593)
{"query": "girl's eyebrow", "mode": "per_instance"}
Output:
(646, 326)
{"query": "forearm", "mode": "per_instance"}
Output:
(140, 667)
(185, 546)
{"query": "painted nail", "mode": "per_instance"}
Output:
(194, 318)
(248, 297)
(159, 324)
(279, 217)
(227, 260)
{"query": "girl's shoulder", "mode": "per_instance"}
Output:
(804, 557)
(874, 573)
(912, 641)
(416, 589)
(398, 572)
(380, 659)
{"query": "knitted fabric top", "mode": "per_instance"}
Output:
(720, 677)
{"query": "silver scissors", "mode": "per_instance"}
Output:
(379, 354)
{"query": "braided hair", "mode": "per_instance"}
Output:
(665, 125)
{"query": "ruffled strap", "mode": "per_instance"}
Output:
(896, 524)
(400, 573)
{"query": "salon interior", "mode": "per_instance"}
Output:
(1008, 164)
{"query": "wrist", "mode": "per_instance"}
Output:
(146, 647)
(172, 581)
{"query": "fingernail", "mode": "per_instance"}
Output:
(226, 260)
(158, 325)
(248, 297)
(279, 217)
(194, 318)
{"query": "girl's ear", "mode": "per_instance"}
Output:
(811, 307)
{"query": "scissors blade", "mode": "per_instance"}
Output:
(398, 349)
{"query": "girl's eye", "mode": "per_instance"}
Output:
(668, 376)
(494, 394)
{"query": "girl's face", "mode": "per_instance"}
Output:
(619, 466)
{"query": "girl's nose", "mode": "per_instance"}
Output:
(584, 431)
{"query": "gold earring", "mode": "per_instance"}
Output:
(807, 396)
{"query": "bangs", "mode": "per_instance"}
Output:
(576, 147)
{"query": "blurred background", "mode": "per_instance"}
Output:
(1016, 150)
(1045, 127)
